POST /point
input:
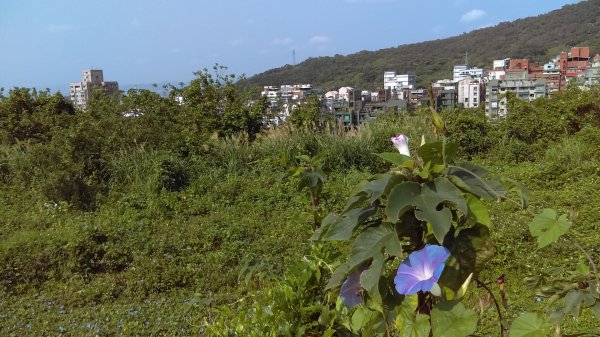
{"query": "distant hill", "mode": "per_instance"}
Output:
(538, 38)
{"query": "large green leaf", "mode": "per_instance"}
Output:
(547, 227)
(370, 245)
(473, 179)
(361, 316)
(381, 186)
(576, 299)
(372, 190)
(435, 152)
(469, 251)
(355, 201)
(407, 322)
(442, 190)
(477, 211)
(394, 157)
(325, 223)
(434, 194)
(529, 325)
(440, 221)
(342, 227)
(402, 198)
(452, 319)
(375, 188)
(369, 279)
(426, 200)
(416, 325)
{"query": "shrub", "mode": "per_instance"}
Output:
(172, 176)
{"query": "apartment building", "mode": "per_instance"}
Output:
(592, 74)
(523, 87)
(395, 82)
(462, 72)
(81, 92)
(470, 92)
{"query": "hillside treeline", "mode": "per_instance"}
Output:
(538, 38)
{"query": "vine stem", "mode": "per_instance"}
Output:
(387, 326)
(444, 149)
(500, 325)
(587, 255)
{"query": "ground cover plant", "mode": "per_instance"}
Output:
(174, 224)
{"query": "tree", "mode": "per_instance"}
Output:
(28, 115)
(468, 128)
(307, 114)
(213, 104)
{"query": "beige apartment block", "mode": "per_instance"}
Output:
(81, 92)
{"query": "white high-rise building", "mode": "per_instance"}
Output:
(392, 81)
(81, 92)
(462, 72)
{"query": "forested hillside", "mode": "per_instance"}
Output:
(537, 38)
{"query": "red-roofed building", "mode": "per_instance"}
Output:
(574, 62)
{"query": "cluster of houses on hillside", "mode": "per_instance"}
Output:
(469, 88)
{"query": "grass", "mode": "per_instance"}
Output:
(149, 261)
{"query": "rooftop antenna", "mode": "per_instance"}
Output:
(294, 56)
(467, 59)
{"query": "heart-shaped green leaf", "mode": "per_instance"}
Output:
(547, 227)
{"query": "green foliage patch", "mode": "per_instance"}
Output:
(174, 222)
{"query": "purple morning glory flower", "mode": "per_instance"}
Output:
(401, 143)
(351, 291)
(421, 270)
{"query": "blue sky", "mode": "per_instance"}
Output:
(48, 43)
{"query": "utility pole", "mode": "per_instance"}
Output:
(293, 56)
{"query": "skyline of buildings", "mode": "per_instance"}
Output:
(470, 87)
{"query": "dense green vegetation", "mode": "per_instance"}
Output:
(176, 221)
(538, 38)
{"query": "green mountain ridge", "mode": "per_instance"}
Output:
(537, 38)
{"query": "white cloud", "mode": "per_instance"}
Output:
(282, 41)
(319, 39)
(473, 15)
(175, 51)
(59, 28)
